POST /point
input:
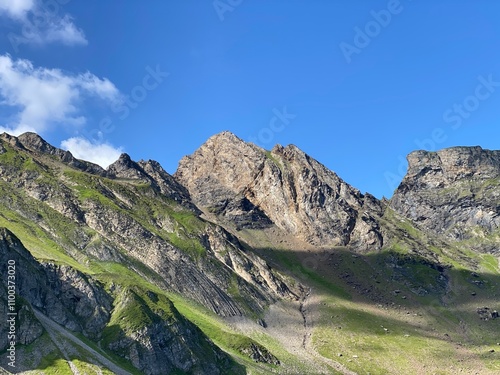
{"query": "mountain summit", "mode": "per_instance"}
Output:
(285, 186)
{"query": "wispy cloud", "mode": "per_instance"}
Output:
(16, 8)
(62, 30)
(100, 153)
(41, 23)
(44, 97)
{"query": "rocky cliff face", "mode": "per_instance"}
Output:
(244, 183)
(81, 304)
(453, 192)
(63, 294)
(33, 142)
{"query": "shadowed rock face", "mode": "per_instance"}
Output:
(60, 292)
(451, 191)
(81, 304)
(288, 187)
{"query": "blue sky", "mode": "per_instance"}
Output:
(355, 84)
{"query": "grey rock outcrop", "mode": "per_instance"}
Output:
(259, 354)
(126, 168)
(60, 292)
(451, 192)
(151, 173)
(284, 186)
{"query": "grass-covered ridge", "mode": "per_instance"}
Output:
(155, 212)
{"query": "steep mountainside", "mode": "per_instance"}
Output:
(248, 261)
(131, 217)
(83, 304)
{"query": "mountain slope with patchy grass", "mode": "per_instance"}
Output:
(260, 264)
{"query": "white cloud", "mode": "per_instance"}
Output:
(16, 8)
(103, 88)
(41, 23)
(16, 130)
(100, 153)
(44, 97)
(64, 30)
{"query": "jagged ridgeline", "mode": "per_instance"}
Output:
(248, 261)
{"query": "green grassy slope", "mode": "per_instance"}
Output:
(410, 308)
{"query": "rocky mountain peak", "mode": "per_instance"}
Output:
(451, 191)
(225, 135)
(151, 173)
(34, 142)
(125, 167)
(10, 139)
(124, 158)
(284, 186)
(225, 163)
(452, 164)
(226, 144)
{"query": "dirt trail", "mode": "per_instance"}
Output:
(51, 327)
(292, 324)
(59, 345)
(303, 312)
(311, 315)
